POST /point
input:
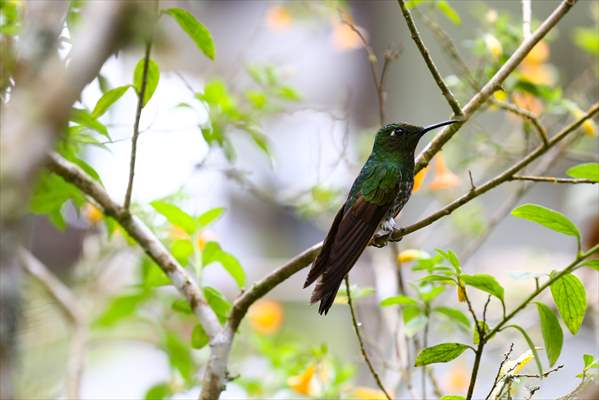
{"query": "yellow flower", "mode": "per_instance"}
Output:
(500, 95)
(278, 18)
(419, 178)
(461, 291)
(205, 237)
(266, 316)
(538, 55)
(409, 255)
(516, 366)
(345, 38)
(493, 45)
(302, 383)
(589, 127)
(92, 213)
(366, 393)
(444, 178)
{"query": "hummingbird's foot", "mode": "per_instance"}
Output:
(388, 226)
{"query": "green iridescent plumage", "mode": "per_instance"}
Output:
(377, 195)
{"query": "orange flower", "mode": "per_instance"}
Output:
(538, 74)
(457, 378)
(366, 393)
(345, 38)
(266, 316)
(528, 102)
(419, 178)
(92, 213)
(444, 178)
(538, 55)
(177, 233)
(278, 18)
(302, 383)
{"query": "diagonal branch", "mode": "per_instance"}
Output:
(524, 114)
(451, 100)
(143, 236)
(552, 179)
(493, 84)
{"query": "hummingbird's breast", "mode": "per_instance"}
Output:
(404, 191)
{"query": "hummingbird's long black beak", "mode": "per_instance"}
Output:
(438, 125)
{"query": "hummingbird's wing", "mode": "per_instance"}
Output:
(348, 237)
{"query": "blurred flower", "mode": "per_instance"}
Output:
(533, 67)
(410, 255)
(491, 16)
(177, 233)
(344, 37)
(266, 316)
(528, 102)
(278, 18)
(205, 237)
(589, 127)
(366, 393)
(493, 46)
(419, 178)
(302, 383)
(444, 178)
(456, 379)
(92, 213)
(500, 95)
(538, 55)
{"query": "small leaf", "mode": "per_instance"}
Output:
(547, 217)
(108, 99)
(570, 298)
(587, 39)
(594, 264)
(179, 355)
(152, 78)
(585, 171)
(531, 345)
(484, 282)
(199, 338)
(181, 306)
(210, 216)
(429, 293)
(449, 12)
(84, 118)
(182, 249)
(119, 308)
(175, 216)
(443, 352)
(218, 303)
(399, 300)
(210, 253)
(415, 325)
(160, 391)
(196, 31)
(455, 315)
(552, 333)
(232, 266)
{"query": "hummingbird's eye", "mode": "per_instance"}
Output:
(396, 132)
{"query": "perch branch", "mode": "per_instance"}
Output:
(551, 179)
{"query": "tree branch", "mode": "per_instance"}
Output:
(551, 179)
(69, 305)
(374, 374)
(140, 105)
(180, 278)
(493, 84)
(524, 114)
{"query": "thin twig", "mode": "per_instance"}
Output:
(506, 356)
(69, 305)
(545, 374)
(451, 100)
(524, 114)
(140, 105)
(552, 179)
(361, 342)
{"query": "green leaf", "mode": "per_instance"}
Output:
(108, 99)
(413, 3)
(175, 216)
(50, 195)
(232, 266)
(452, 258)
(160, 391)
(288, 93)
(199, 338)
(196, 31)
(453, 397)
(218, 303)
(429, 292)
(594, 264)
(455, 315)
(449, 12)
(585, 171)
(476, 334)
(182, 249)
(552, 333)
(152, 275)
(587, 39)
(443, 352)
(179, 355)
(531, 345)
(415, 325)
(210, 253)
(152, 78)
(84, 118)
(119, 308)
(547, 217)
(398, 300)
(484, 282)
(257, 98)
(181, 306)
(261, 141)
(210, 216)
(570, 298)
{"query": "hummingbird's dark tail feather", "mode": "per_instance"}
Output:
(344, 244)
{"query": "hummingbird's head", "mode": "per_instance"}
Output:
(404, 137)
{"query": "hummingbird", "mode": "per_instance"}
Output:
(378, 194)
